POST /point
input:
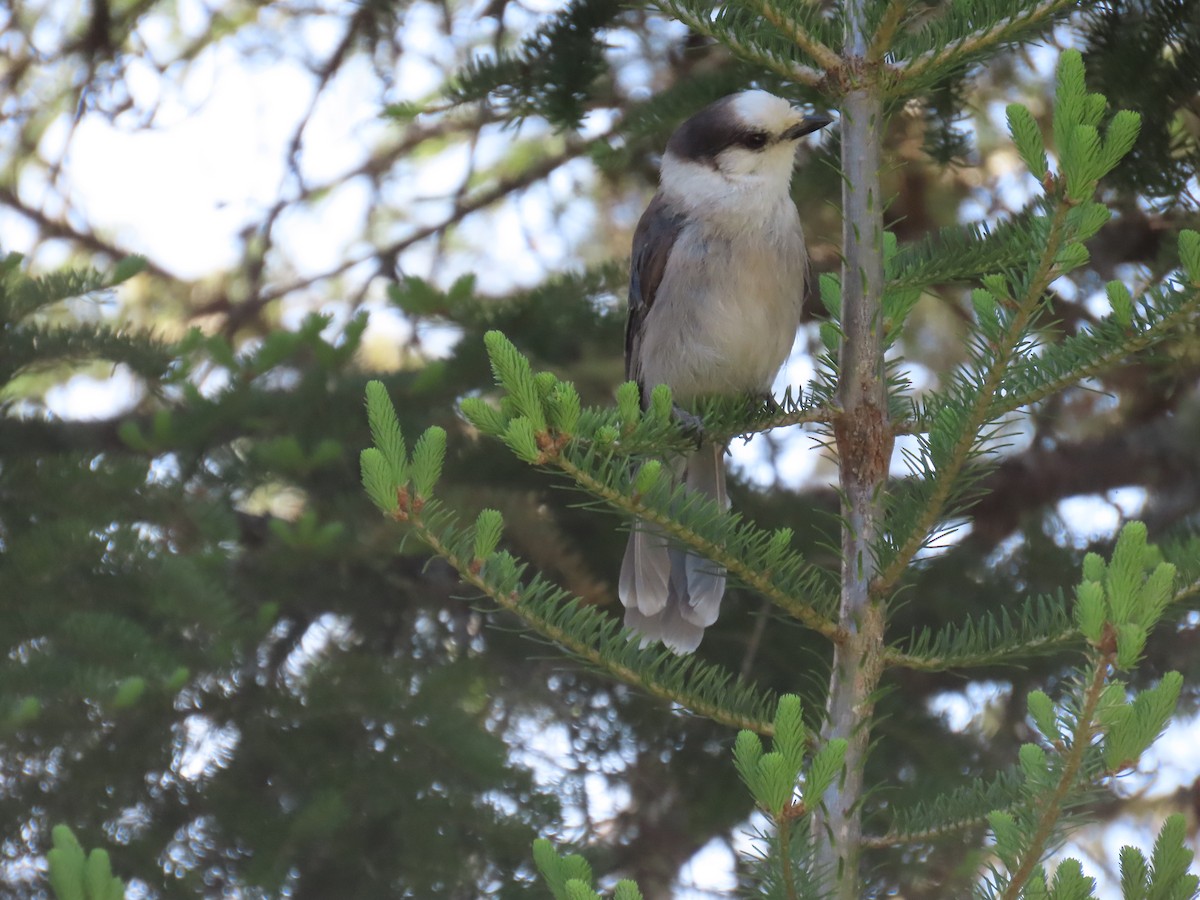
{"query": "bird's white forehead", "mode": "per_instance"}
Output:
(761, 108)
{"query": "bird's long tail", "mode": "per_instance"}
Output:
(671, 594)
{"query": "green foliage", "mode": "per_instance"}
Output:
(428, 456)
(417, 297)
(755, 555)
(1067, 767)
(1166, 876)
(966, 806)
(776, 38)
(146, 589)
(961, 252)
(33, 338)
(1159, 42)
(965, 33)
(1027, 137)
(1129, 595)
(963, 425)
(74, 877)
(552, 74)
(149, 599)
(489, 527)
(619, 455)
(513, 373)
(1084, 155)
(772, 777)
(570, 877)
(629, 404)
(1131, 727)
(1189, 254)
(386, 434)
(831, 295)
(1041, 710)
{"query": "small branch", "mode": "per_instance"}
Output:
(54, 228)
(894, 657)
(590, 654)
(254, 265)
(324, 75)
(784, 833)
(977, 42)
(900, 659)
(752, 645)
(881, 43)
(925, 835)
(1099, 363)
(1052, 806)
(981, 408)
(826, 58)
(818, 415)
(500, 190)
(718, 553)
(797, 72)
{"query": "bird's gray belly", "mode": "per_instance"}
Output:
(725, 316)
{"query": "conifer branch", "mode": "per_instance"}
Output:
(1088, 354)
(930, 64)
(722, 424)
(815, 415)
(947, 814)
(926, 835)
(735, 563)
(1052, 805)
(87, 239)
(670, 689)
(881, 43)
(1045, 625)
(1042, 625)
(1080, 356)
(825, 57)
(958, 253)
(770, 61)
(980, 409)
(784, 840)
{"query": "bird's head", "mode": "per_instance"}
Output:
(745, 140)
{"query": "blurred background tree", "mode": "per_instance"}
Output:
(216, 663)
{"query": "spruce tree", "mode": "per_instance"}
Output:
(865, 59)
(348, 689)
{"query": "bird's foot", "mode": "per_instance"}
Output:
(689, 423)
(769, 404)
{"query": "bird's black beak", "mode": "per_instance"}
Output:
(807, 125)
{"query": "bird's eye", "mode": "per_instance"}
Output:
(753, 140)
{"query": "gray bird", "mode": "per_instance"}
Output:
(716, 283)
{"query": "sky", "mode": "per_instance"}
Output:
(183, 192)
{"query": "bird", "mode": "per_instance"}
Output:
(717, 274)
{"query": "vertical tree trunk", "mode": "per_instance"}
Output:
(864, 441)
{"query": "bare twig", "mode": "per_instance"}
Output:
(55, 228)
(498, 191)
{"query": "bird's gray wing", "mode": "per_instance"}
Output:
(656, 233)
